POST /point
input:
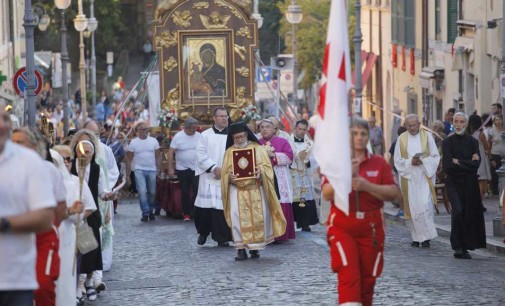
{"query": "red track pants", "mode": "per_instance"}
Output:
(48, 270)
(356, 248)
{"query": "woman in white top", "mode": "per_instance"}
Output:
(77, 209)
(497, 149)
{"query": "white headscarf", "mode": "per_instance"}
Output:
(60, 164)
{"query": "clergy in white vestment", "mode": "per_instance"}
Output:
(208, 214)
(416, 159)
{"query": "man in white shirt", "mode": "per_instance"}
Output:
(209, 215)
(184, 147)
(27, 207)
(144, 151)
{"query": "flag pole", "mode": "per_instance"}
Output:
(352, 105)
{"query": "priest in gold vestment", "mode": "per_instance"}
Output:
(251, 206)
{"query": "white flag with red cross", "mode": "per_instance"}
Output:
(332, 143)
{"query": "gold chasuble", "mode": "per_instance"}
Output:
(250, 200)
(404, 183)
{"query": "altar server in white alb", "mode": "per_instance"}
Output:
(416, 159)
(304, 204)
(208, 214)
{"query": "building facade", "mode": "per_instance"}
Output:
(430, 55)
(12, 46)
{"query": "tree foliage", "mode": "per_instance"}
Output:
(108, 36)
(311, 36)
(270, 42)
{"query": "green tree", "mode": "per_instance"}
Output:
(107, 37)
(311, 36)
(270, 42)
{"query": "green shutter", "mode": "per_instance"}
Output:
(452, 18)
(400, 11)
(394, 22)
(410, 24)
(438, 29)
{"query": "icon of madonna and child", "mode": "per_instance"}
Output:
(206, 66)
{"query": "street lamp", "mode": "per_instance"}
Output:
(29, 23)
(92, 26)
(63, 5)
(498, 228)
(80, 24)
(294, 15)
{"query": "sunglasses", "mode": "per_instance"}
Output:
(68, 159)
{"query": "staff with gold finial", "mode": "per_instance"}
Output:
(81, 172)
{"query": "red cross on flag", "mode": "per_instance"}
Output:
(332, 143)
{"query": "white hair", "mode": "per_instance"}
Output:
(462, 114)
(412, 116)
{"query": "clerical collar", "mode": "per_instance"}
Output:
(222, 132)
(298, 140)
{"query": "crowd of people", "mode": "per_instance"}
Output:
(249, 184)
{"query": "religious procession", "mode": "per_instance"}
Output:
(202, 176)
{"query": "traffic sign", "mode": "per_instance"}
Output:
(264, 74)
(20, 81)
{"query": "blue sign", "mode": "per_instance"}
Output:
(264, 74)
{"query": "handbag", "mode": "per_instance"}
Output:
(86, 241)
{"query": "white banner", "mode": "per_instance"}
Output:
(153, 93)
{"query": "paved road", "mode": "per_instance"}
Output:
(159, 263)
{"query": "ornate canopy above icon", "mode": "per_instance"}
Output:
(206, 55)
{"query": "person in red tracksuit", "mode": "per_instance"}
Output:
(357, 240)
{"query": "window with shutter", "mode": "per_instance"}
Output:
(452, 18)
(410, 25)
(438, 26)
(400, 11)
(394, 22)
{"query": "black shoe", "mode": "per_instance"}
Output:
(414, 244)
(484, 208)
(306, 229)
(466, 255)
(151, 217)
(201, 240)
(223, 244)
(144, 218)
(241, 255)
(157, 212)
(425, 244)
(462, 254)
(254, 254)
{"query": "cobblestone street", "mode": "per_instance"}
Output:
(159, 263)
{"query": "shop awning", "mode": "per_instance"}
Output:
(464, 44)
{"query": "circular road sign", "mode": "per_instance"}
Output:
(20, 81)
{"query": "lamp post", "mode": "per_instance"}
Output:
(92, 26)
(498, 228)
(80, 24)
(357, 39)
(31, 20)
(63, 5)
(294, 15)
(29, 25)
